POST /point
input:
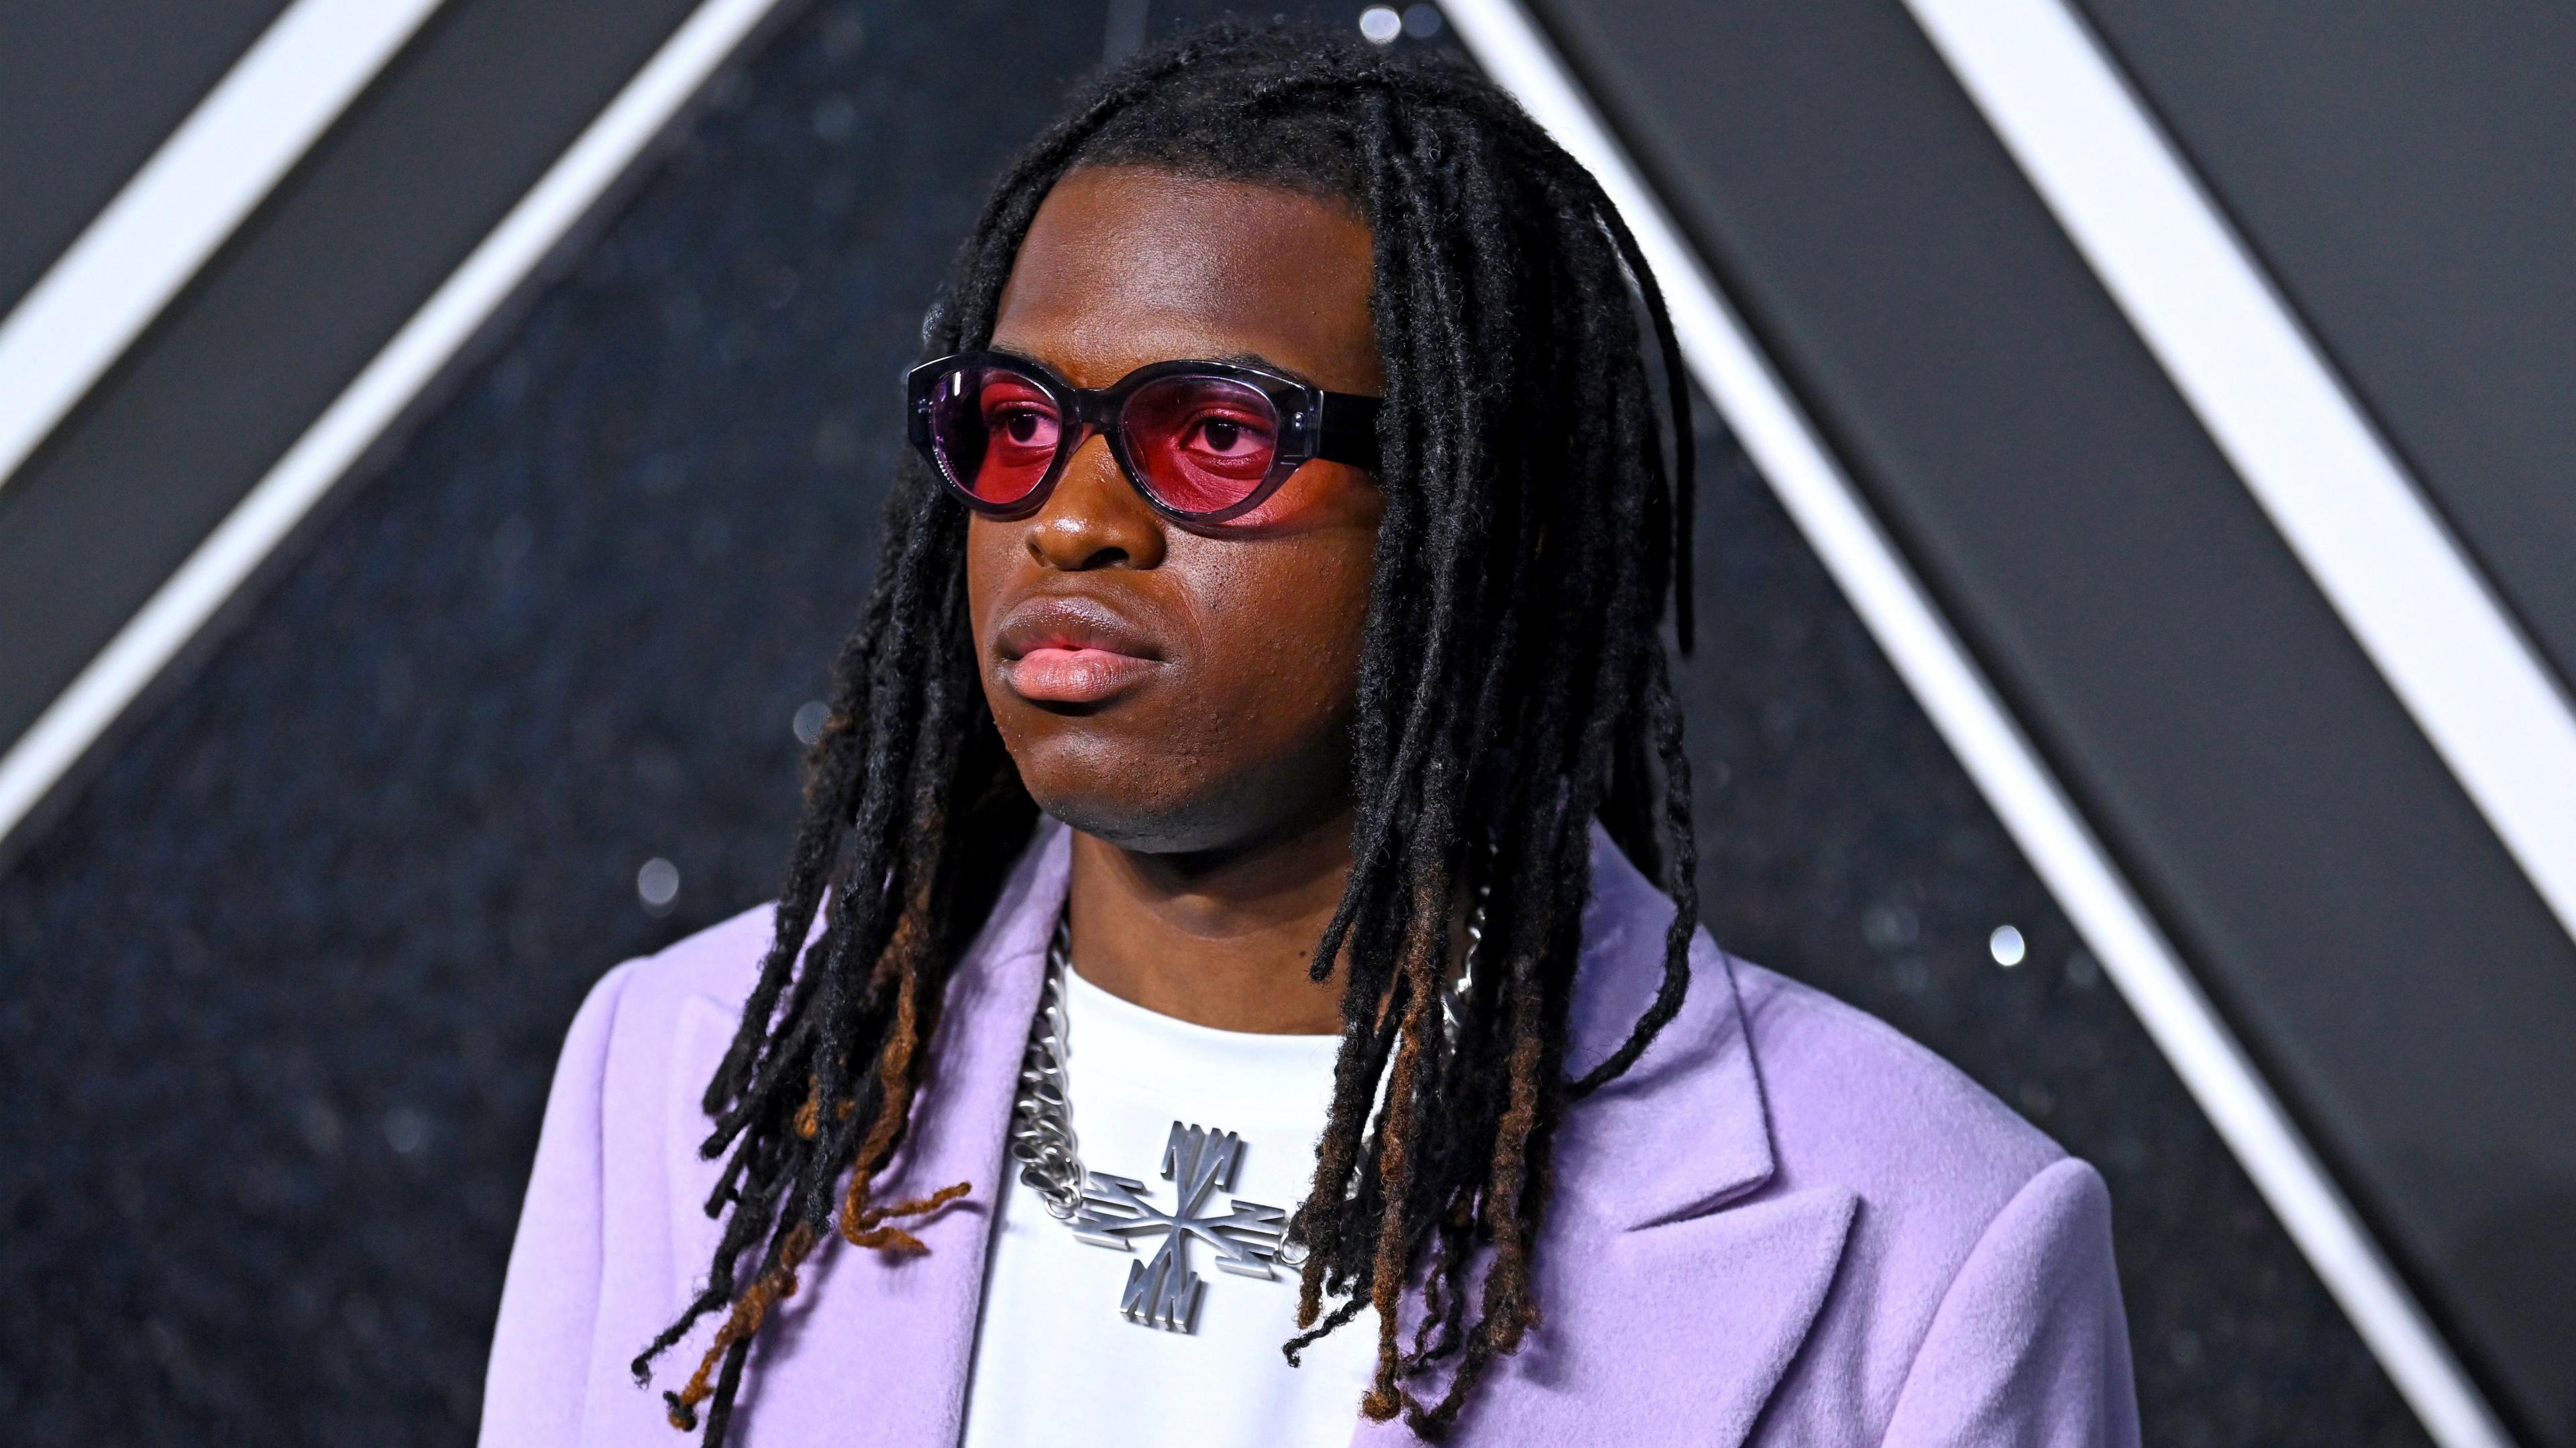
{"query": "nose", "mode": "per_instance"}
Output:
(1095, 519)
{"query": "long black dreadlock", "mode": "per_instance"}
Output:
(1514, 687)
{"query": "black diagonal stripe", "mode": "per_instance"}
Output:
(83, 105)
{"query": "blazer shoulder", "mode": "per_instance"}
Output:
(660, 1016)
(1854, 1102)
(719, 962)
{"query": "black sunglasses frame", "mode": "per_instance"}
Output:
(1338, 427)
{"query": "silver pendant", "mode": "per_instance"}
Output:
(1162, 1291)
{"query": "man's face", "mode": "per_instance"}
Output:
(1164, 687)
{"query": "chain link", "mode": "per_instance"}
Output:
(1042, 1139)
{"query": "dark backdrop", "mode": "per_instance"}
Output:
(280, 989)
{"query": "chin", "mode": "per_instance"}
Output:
(1146, 828)
(1144, 806)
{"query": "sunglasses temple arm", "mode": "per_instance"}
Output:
(1346, 430)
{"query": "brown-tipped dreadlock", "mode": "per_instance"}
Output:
(1514, 687)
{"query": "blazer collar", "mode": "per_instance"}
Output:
(1681, 1134)
(1684, 1130)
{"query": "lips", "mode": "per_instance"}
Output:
(1072, 651)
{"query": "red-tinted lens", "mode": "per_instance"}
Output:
(994, 431)
(1203, 444)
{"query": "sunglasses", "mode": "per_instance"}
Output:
(1204, 442)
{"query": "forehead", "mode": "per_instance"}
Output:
(1125, 265)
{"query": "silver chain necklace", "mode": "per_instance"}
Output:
(1110, 1211)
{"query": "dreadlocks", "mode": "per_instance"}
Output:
(1514, 687)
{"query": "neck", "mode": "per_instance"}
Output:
(1222, 940)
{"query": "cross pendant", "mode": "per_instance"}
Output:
(1162, 1291)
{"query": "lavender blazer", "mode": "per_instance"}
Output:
(1787, 1225)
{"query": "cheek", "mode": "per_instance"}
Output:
(1287, 604)
(989, 558)
(1281, 628)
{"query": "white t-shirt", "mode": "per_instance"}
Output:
(1056, 1362)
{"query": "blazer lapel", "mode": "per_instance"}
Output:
(878, 1348)
(1675, 1333)
(1677, 1282)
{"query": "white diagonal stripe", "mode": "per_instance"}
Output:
(2008, 771)
(370, 403)
(223, 160)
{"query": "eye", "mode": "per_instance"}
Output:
(1018, 415)
(1027, 426)
(1226, 437)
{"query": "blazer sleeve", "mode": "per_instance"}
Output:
(541, 1347)
(2029, 1346)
